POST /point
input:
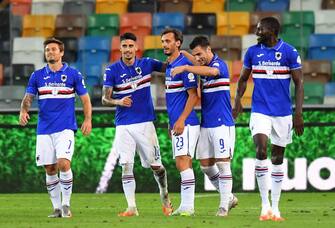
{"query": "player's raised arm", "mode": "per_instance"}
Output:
(298, 122)
(86, 127)
(25, 106)
(241, 87)
(199, 70)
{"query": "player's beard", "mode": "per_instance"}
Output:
(52, 61)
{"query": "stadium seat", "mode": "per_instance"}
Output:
(297, 41)
(247, 41)
(208, 6)
(329, 98)
(138, 23)
(226, 47)
(187, 39)
(16, 26)
(94, 49)
(236, 70)
(317, 71)
(303, 5)
(150, 6)
(4, 25)
(103, 25)
(328, 4)
(273, 5)
(200, 23)
(115, 54)
(325, 21)
(20, 7)
(11, 96)
(111, 6)
(314, 93)
(233, 23)
(70, 49)
(93, 74)
(321, 46)
(75, 7)
(162, 21)
(70, 25)
(1, 75)
(38, 25)
(255, 17)
(240, 5)
(153, 48)
(21, 73)
(299, 23)
(182, 6)
(53, 7)
(247, 97)
(28, 50)
(333, 70)
(96, 95)
(5, 52)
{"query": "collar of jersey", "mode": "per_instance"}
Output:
(123, 65)
(215, 56)
(276, 47)
(177, 59)
(60, 70)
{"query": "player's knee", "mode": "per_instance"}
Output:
(261, 152)
(158, 170)
(51, 169)
(127, 169)
(277, 159)
(63, 164)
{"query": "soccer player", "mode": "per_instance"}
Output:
(56, 85)
(217, 133)
(127, 86)
(181, 97)
(272, 63)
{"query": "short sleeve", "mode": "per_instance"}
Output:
(155, 64)
(108, 78)
(294, 60)
(247, 63)
(222, 67)
(189, 80)
(32, 85)
(80, 86)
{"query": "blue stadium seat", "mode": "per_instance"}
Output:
(167, 20)
(330, 89)
(92, 73)
(94, 49)
(322, 46)
(273, 5)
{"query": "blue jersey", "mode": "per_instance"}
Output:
(176, 91)
(216, 108)
(135, 81)
(271, 75)
(56, 98)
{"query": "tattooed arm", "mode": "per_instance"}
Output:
(25, 106)
(107, 99)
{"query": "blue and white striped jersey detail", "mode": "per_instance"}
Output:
(271, 72)
(176, 91)
(135, 81)
(216, 108)
(56, 97)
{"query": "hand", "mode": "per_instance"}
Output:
(126, 101)
(237, 109)
(298, 124)
(177, 70)
(86, 127)
(178, 127)
(24, 118)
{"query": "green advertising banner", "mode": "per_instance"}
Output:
(309, 159)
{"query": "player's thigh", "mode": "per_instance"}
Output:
(124, 144)
(281, 133)
(204, 148)
(147, 144)
(64, 144)
(185, 144)
(45, 151)
(260, 124)
(223, 139)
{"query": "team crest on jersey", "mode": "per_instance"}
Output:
(278, 55)
(63, 77)
(138, 70)
(191, 77)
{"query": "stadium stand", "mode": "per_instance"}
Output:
(94, 49)
(138, 23)
(298, 23)
(20, 7)
(103, 25)
(75, 7)
(71, 49)
(187, 39)
(208, 6)
(200, 23)
(325, 21)
(247, 97)
(273, 5)
(21, 73)
(70, 25)
(314, 92)
(11, 96)
(299, 42)
(4, 25)
(328, 4)
(38, 25)
(333, 70)
(162, 21)
(111, 6)
(240, 5)
(183, 6)
(226, 47)
(329, 98)
(321, 46)
(150, 6)
(247, 41)
(5, 52)
(312, 5)
(153, 48)
(317, 71)
(53, 7)
(16, 26)
(233, 23)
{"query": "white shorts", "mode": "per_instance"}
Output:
(140, 137)
(216, 142)
(51, 147)
(277, 128)
(185, 144)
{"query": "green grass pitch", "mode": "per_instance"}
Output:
(90, 210)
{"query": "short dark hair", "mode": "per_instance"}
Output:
(56, 41)
(201, 41)
(128, 36)
(271, 23)
(178, 36)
